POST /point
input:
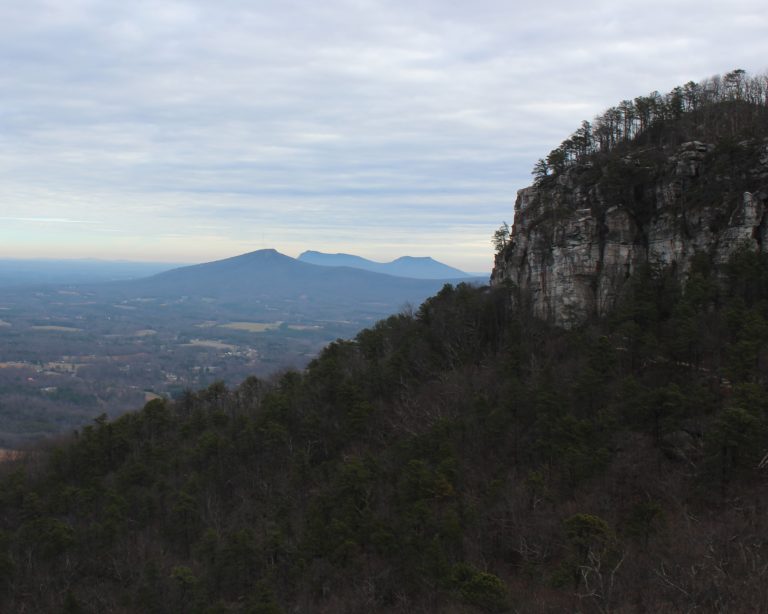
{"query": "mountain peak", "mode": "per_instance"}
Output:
(268, 251)
(311, 253)
(260, 255)
(415, 259)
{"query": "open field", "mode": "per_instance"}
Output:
(210, 343)
(6, 454)
(147, 332)
(252, 327)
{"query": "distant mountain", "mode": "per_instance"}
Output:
(267, 276)
(23, 272)
(406, 266)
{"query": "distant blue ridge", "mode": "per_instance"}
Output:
(406, 266)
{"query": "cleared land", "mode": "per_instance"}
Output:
(209, 343)
(207, 324)
(252, 327)
(6, 454)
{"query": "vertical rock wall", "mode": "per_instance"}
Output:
(577, 238)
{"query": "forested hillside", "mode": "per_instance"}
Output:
(463, 458)
(467, 457)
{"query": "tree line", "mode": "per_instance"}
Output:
(743, 98)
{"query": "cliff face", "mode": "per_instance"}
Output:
(579, 236)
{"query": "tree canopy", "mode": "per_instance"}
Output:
(732, 105)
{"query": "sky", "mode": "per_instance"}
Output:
(189, 131)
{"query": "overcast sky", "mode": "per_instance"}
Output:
(193, 130)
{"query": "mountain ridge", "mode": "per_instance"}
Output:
(268, 275)
(417, 267)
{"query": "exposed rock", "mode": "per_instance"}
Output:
(578, 237)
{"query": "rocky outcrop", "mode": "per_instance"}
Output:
(579, 236)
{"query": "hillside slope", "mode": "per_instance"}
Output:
(467, 458)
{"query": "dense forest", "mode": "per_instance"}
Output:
(462, 457)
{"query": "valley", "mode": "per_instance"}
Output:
(69, 353)
(58, 371)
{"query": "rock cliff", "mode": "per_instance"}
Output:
(578, 236)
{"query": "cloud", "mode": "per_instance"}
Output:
(413, 120)
(46, 220)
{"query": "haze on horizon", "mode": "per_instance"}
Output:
(189, 131)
